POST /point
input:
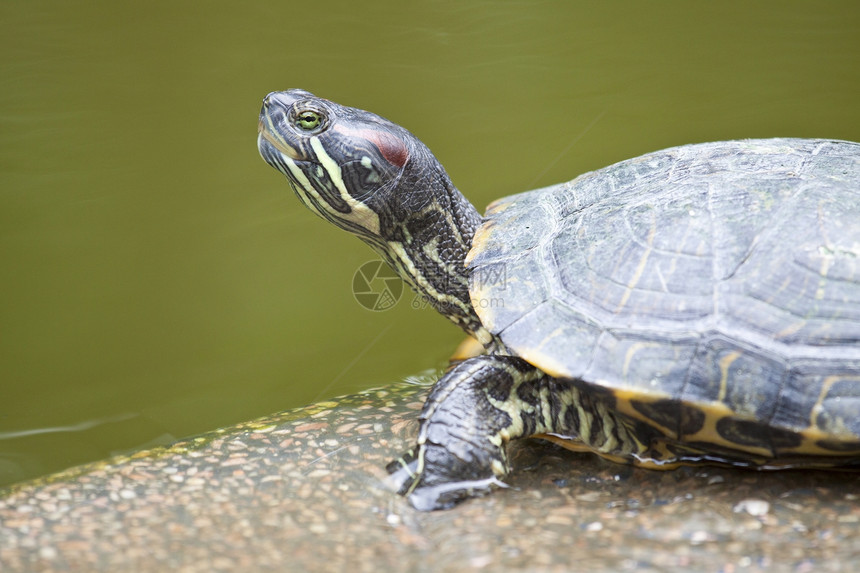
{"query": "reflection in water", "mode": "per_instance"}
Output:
(80, 427)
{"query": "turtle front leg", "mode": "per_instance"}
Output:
(469, 416)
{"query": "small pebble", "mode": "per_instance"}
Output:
(698, 536)
(754, 507)
(47, 553)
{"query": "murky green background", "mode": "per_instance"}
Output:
(159, 280)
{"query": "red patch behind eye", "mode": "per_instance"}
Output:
(391, 147)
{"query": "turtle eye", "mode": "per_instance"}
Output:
(308, 120)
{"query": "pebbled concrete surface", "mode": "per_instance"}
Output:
(304, 491)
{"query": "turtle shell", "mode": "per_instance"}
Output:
(713, 290)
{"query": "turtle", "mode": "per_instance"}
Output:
(699, 304)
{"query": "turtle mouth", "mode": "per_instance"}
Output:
(267, 132)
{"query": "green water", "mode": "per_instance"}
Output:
(159, 280)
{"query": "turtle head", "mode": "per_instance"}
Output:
(343, 163)
(376, 180)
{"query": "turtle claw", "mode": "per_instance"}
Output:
(447, 495)
(403, 473)
(427, 490)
